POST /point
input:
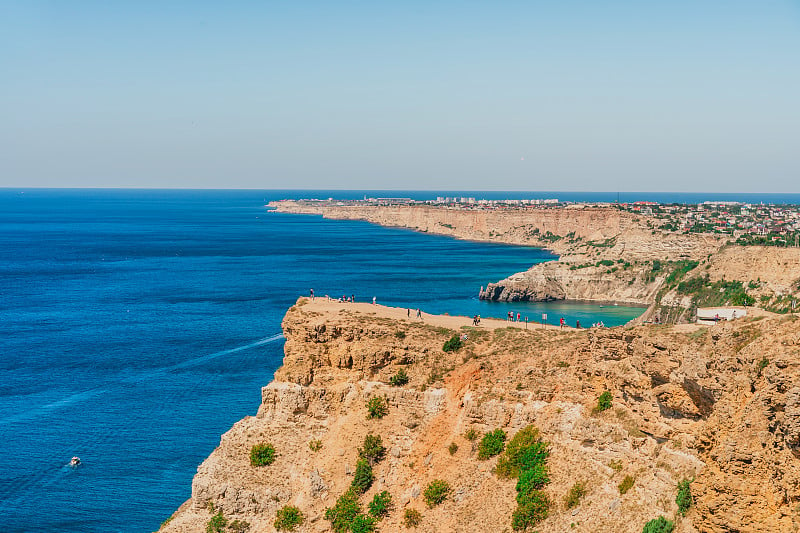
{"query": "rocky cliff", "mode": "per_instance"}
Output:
(719, 406)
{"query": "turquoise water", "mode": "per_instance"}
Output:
(137, 326)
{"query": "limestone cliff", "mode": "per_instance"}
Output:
(719, 405)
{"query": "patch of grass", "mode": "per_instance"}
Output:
(472, 434)
(436, 492)
(453, 448)
(238, 526)
(412, 518)
(626, 484)
(603, 402)
(400, 334)
(684, 496)
(492, 444)
(377, 407)
(363, 478)
(217, 523)
(453, 344)
(764, 363)
(380, 505)
(315, 445)
(363, 523)
(373, 450)
(399, 379)
(575, 494)
(659, 525)
(288, 518)
(262, 454)
(562, 364)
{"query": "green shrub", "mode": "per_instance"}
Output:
(344, 511)
(363, 478)
(287, 518)
(575, 494)
(453, 448)
(626, 484)
(399, 379)
(363, 523)
(217, 523)
(373, 450)
(436, 492)
(377, 407)
(530, 481)
(315, 445)
(262, 455)
(239, 526)
(412, 518)
(684, 497)
(381, 504)
(659, 525)
(453, 344)
(492, 444)
(604, 401)
(472, 434)
(524, 450)
(532, 511)
(400, 334)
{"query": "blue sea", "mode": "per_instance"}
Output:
(136, 326)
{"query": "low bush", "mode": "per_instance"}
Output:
(659, 525)
(239, 526)
(377, 407)
(530, 512)
(453, 448)
(363, 523)
(604, 402)
(436, 492)
(373, 450)
(399, 379)
(363, 478)
(262, 455)
(380, 505)
(530, 481)
(400, 334)
(684, 497)
(288, 518)
(315, 445)
(575, 494)
(453, 344)
(343, 512)
(472, 434)
(412, 518)
(492, 444)
(626, 484)
(217, 523)
(524, 450)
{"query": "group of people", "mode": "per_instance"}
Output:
(418, 315)
(476, 320)
(344, 298)
(510, 317)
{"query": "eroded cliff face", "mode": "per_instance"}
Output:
(720, 405)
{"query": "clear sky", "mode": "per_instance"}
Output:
(679, 95)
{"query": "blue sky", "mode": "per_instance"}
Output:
(563, 95)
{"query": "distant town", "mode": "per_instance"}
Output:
(745, 223)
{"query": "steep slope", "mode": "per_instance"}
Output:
(720, 405)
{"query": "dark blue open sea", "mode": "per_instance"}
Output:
(136, 326)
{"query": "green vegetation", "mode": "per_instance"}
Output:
(377, 407)
(659, 525)
(524, 451)
(239, 526)
(453, 344)
(531, 480)
(363, 478)
(531, 512)
(412, 518)
(400, 334)
(615, 465)
(603, 402)
(288, 518)
(626, 484)
(363, 523)
(720, 292)
(315, 445)
(399, 379)
(492, 444)
(764, 363)
(373, 450)
(380, 505)
(217, 523)
(436, 492)
(472, 434)
(453, 448)
(262, 455)
(344, 511)
(575, 494)
(684, 497)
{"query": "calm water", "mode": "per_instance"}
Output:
(137, 326)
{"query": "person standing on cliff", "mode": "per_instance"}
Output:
(561, 323)
(408, 312)
(419, 313)
(312, 295)
(374, 299)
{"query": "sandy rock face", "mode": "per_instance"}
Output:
(718, 405)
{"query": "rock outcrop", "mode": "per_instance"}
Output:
(718, 405)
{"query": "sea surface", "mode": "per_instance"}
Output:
(136, 326)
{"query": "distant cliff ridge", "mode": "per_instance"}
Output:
(717, 408)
